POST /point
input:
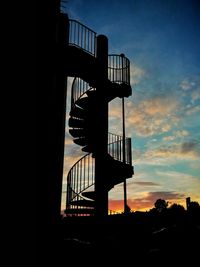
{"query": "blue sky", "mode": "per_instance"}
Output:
(162, 41)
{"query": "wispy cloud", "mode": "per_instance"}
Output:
(180, 181)
(195, 94)
(152, 116)
(186, 85)
(180, 151)
(136, 74)
(169, 138)
(176, 134)
(146, 183)
(192, 110)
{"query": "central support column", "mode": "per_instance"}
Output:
(101, 129)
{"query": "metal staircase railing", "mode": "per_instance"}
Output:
(82, 174)
(118, 72)
(115, 148)
(82, 37)
(80, 177)
(79, 88)
(119, 69)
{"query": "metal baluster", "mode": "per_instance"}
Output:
(76, 180)
(88, 40)
(81, 186)
(84, 172)
(117, 147)
(91, 43)
(88, 170)
(85, 46)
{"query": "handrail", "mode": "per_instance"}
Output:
(82, 37)
(80, 176)
(119, 69)
(79, 88)
(115, 148)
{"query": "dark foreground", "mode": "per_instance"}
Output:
(136, 239)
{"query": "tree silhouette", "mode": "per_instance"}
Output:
(194, 207)
(176, 211)
(177, 208)
(160, 205)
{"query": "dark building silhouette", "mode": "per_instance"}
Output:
(99, 78)
(51, 125)
(187, 203)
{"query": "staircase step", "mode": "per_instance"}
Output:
(89, 194)
(83, 102)
(119, 174)
(120, 169)
(83, 203)
(126, 89)
(91, 93)
(77, 132)
(82, 64)
(80, 211)
(76, 123)
(77, 112)
(117, 171)
(82, 141)
(118, 90)
(87, 149)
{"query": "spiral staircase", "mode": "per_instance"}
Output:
(83, 123)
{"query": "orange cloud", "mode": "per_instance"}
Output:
(159, 105)
(136, 74)
(152, 116)
(148, 117)
(145, 183)
(147, 202)
(177, 134)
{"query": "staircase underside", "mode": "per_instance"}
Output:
(81, 211)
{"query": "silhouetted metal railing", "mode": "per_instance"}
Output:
(119, 69)
(79, 88)
(82, 174)
(80, 177)
(115, 148)
(82, 37)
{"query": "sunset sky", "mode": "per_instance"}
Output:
(161, 38)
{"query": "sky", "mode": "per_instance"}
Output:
(161, 39)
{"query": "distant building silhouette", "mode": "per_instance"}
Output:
(188, 200)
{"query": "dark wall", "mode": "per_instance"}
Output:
(51, 96)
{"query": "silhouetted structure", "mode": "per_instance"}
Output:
(99, 78)
(55, 33)
(187, 203)
(135, 236)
